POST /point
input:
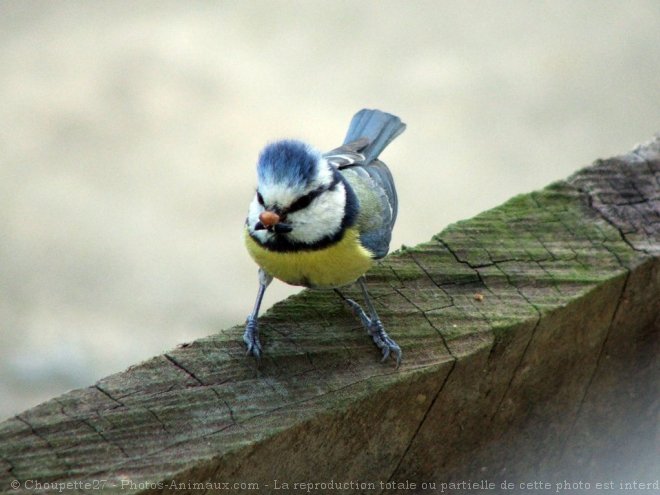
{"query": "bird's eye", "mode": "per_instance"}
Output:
(260, 198)
(302, 202)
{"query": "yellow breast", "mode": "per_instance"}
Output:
(333, 266)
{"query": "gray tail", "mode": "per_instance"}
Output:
(378, 127)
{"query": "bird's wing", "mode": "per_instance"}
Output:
(347, 154)
(374, 187)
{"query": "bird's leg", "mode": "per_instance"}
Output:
(251, 335)
(373, 324)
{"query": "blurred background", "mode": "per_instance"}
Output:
(129, 133)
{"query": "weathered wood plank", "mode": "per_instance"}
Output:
(530, 335)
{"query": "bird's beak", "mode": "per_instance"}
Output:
(269, 218)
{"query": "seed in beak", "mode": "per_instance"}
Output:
(269, 218)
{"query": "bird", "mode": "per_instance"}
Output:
(321, 220)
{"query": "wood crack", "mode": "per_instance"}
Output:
(107, 394)
(49, 445)
(421, 267)
(89, 425)
(516, 370)
(428, 320)
(421, 423)
(184, 369)
(611, 222)
(597, 366)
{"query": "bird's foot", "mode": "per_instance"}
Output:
(384, 342)
(377, 331)
(251, 338)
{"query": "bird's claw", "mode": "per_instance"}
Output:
(378, 334)
(384, 342)
(251, 338)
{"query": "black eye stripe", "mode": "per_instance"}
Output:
(260, 198)
(304, 201)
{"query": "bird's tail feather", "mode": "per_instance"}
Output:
(378, 127)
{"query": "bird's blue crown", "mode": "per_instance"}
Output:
(289, 162)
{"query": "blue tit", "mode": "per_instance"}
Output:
(320, 220)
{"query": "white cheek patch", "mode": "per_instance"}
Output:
(252, 219)
(322, 218)
(253, 212)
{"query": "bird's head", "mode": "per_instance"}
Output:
(299, 196)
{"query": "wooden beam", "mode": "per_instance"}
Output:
(530, 339)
